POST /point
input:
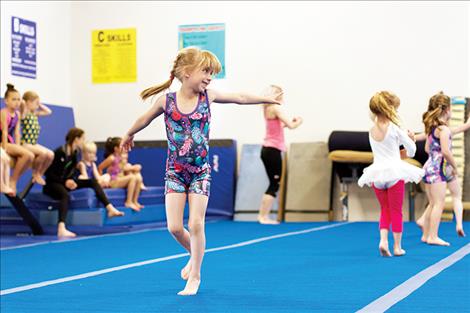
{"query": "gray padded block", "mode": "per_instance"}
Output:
(251, 184)
(77, 218)
(308, 179)
(250, 217)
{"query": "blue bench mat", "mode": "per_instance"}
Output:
(85, 198)
(98, 216)
(85, 209)
(82, 198)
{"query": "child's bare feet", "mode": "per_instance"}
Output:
(131, 205)
(113, 212)
(460, 231)
(186, 270)
(398, 252)
(191, 288)
(63, 232)
(424, 239)
(383, 249)
(38, 179)
(267, 221)
(8, 191)
(140, 206)
(438, 242)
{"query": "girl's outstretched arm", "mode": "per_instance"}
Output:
(420, 137)
(461, 128)
(127, 141)
(240, 98)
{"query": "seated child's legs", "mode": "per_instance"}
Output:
(129, 183)
(24, 159)
(5, 173)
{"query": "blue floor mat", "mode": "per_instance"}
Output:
(331, 270)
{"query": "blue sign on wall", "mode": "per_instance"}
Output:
(207, 37)
(23, 47)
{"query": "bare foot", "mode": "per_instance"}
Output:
(38, 179)
(113, 212)
(8, 191)
(424, 239)
(398, 252)
(140, 206)
(438, 242)
(132, 206)
(191, 288)
(267, 221)
(420, 224)
(186, 270)
(383, 249)
(143, 187)
(460, 231)
(65, 233)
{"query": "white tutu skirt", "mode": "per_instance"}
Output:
(386, 173)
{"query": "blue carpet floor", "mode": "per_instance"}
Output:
(335, 269)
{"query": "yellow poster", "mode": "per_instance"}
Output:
(114, 56)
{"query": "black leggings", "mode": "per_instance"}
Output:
(272, 160)
(59, 192)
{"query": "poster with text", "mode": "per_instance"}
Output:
(23, 47)
(114, 56)
(207, 37)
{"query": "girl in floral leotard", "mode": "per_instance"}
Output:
(187, 115)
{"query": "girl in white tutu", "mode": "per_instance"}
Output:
(388, 173)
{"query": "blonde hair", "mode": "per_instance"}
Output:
(272, 90)
(89, 146)
(188, 59)
(27, 96)
(30, 96)
(438, 104)
(385, 103)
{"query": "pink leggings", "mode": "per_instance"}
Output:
(391, 203)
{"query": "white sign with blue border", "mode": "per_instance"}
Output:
(23, 47)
